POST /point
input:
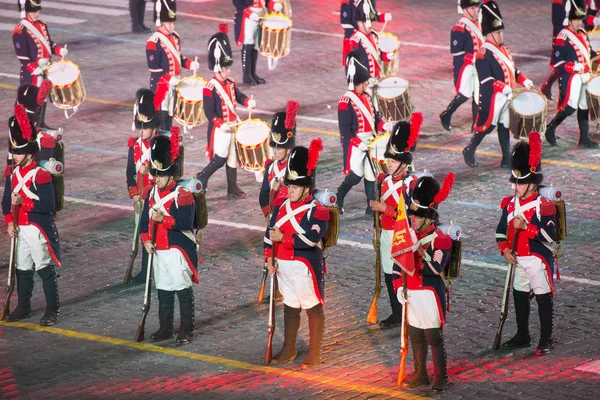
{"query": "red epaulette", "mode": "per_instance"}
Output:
(151, 44)
(268, 163)
(7, 171)
(481, 53)
(278, 201)
(458, 28)
(505, 202)
(442, 241)
(321, 212)
(131, 141)
(18, 29)
(185, 198)
(43, 177)
(47, 142)
(343, 103)
(547, 208)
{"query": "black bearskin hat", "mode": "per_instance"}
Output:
(165, 11)
(302, 164)
(164, 152)
(525, 163)
(283, 127)
(357, 71)
(22, 135)
(427, 196)
(26, 6)
(468, 3)
(28, 96)
(219, 50)
(404, 138)
(144, 114)
(575, 9)
(491, 18)
(364, 11)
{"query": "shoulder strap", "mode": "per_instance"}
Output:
(165, 40)
(509, 64)
(31, 28)
(224, 96)
(472, 27)
(363, 109)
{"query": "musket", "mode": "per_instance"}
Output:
(404, 333)
(372, 314)
(271, 331)
(136, 232)
(263, 282)
(12, 263)
(139, 335)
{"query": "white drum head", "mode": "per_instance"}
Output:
(377, 147)
(276, 22)
(63, 73)
(528, 103)
(191, 88)
(593, 86)
(252, 133)
(392, 87)
(388, 42)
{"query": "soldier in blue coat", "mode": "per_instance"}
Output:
(558, 20)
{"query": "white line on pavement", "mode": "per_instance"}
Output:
(75, 7)
(9, 75)
(351, 243)
(47, 18)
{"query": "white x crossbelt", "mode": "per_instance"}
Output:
(31, 28)
(370, 48)
(393, 188)
(499, 54)
(279, 173)
(145, 156)
(224, 96)
(363, 109)
(159, 203)
(169, 45)
(474, 28)
(522, 209)
(580, 46)
(22, 182)
(291, 214)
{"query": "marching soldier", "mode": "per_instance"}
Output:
(293, 251)
(165, 61)
(146, 120)
(34, 48)
(591, 19)
(558, 22)
(398, 183)
(348, 23)
(465, 41)
(426, 287)
(529, 219)
(137, 12)
(358, 123)
(498, 76)
(220, 96)
(282, 139)
(247, 16)
(170, 210)
(29, 188)
(571, 58)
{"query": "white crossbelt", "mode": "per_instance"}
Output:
(145, 156)
(363, 109)
(279, 173)
(224, 96)
(369, 47)
(169, 45)
(30, 27)
(498, 53)
(22, 181)
(393, 188)
(291, 214)
(580, 46)
(423, 241)
(521, 209)
(159, 203)
(473, 28)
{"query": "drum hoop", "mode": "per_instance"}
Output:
(376, 138)
(252, 146)
(196, 78)
(528, 91)
(276, 15)
(75, 80)
(592, 77)
(401, 94)
(382, 33)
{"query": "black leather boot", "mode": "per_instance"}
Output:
(522, 309)
(504, 139)
(166, 121)
(166, 306)
(474, 112)
(42, 116)
(233, 190)
(396, 318)
(134, 13)
(556, 121)
(50, 285)
(316, 326)
(247, 64)
(212, 167)
(546, 311)
(291, 324)
(546, 87)
(584, 130)
(418, 344)
(140, 277)
(142, 15)
(24, 290)
(370, 192)
(256, 78)
(469, 151)
(188, 318)
(438, 353)
(446, 115)
(350, 181)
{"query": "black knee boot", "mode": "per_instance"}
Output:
(545, 310)
(474, 112)
(370, 192)
(247, 64)
(134, 13)
(42, 116)
(546, 87)
(166, 121)
(316, 326)
(418, 344)
(50, 285)
(351, 180)
(396, 318)
(446, 115)
(291, 324)
(438, 353)
(188, 316)
(256, 78)
(24, 290)
(522, 307)
(233, 190)
(469, 151)
(166, 310)
(504, 139)
(584, 130)
(556, 121)
(212, 167)
(142, 15)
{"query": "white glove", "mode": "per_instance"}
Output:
(507, 91)
(387, 17)
(388, 126)
(255, 17)
(252, 103)
(277, 7)
(64, 52)
(373, 81)
(596, 21)
(400, 296)
(174, 81)
(43, 63)
(194, 65)
(578, 67)
(363, 147)
(226, 127)
(37, 71)
(528, 84)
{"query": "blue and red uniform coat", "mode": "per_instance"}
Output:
(493, 77)
(366, 58)
(464, 45)
(264, 198)
(216, 110)
(564, 57)
(30, 50)
(242, 11)
(38, 213)
(351, 120)
(348, 23)
(135, 144)
(161, 61)
(558, 17)
(299, 246)
(428, 273)
(541, 228)
(170, 232)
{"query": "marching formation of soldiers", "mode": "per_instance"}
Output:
(417, 253)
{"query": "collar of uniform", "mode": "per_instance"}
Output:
(28, 168)
(282, 164)
(164, 31)
(404, 175)
(426, 232)
(529, 199)
(168, 189)
(308, 199)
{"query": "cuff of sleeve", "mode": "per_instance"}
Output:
(498, 86)
(27, 205)
(57, 50)
(397, 283)
(133, 190)
(145, 237)
(246, 102)
(391, 212)
(380, 17)
(569, 67)
(8, 218)
(268, 253)
(468, 58)
(288, 241)
(532, 231)
(168, 222)
(503, 246)
(521, 80)
(31, 67)
(380, 126)
(217, 122)
(265, 210)
(188, 64)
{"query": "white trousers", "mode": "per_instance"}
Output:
(359, 163)
(531, 274)
(32, 249)
(423, 310)
(250, 31)
(469, 83)
(501, 114)
(171, 271)
(224, 146)
(387, 262)
(296, 284)
(577, 92)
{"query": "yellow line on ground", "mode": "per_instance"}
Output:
(337, 383)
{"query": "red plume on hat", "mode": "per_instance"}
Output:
(162, 88)
(43, 92)
(313, 155)
(224, 28)
(290, 115)
(535, 150)
(416, 121)
(23, 121)
(445, 189)
(175, 142)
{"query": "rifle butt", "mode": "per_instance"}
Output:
(5, 308)
(269, 351)
(498, 338)
(139, 335)
(372, 315)
(261, 291)
(402, 369)
(129, 270)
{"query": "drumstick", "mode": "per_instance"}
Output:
(249, 109)
(65, 46)
(195, 60)
(383, 28)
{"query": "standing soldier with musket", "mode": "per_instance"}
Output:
(169, 209)
(465, 41)
(526, 228)
(165, 61)
(498, 76)
(29, 188)
(572, 58)
(293, 251)
(139, 182)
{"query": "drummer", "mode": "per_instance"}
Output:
(34, 48)
(558, 22)
(571, 57)
(348, 23)
(219, 99)
(358, 123)
(165, 61)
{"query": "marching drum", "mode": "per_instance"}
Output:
(389, 43)
(67, 86)
(393, 99)
(276, 38)
(527, 113)
(592, 88)
(377, 153)
(189, 111)
(252, 142)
